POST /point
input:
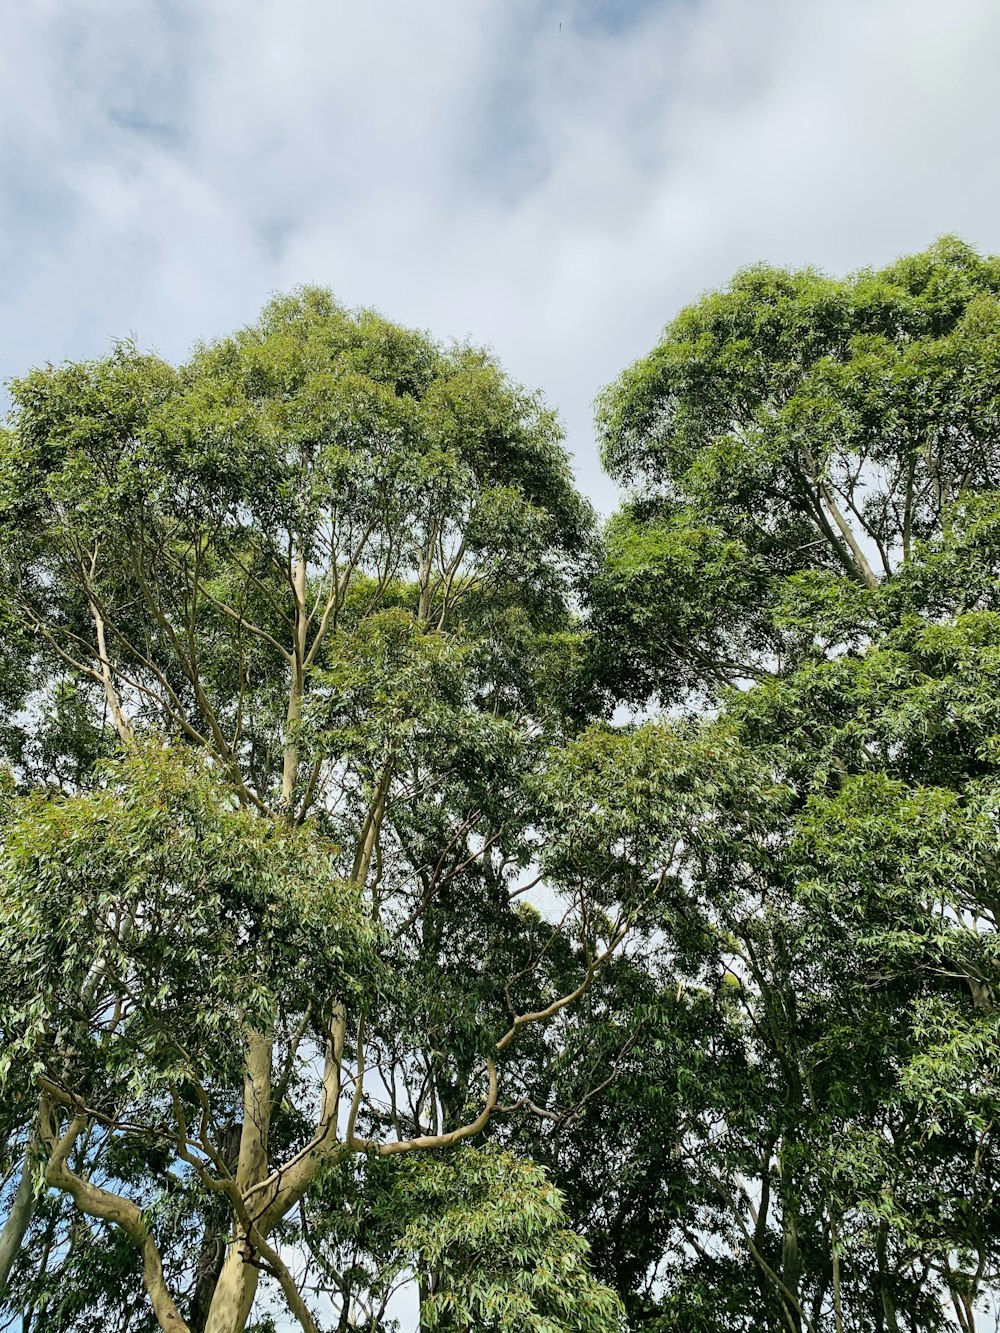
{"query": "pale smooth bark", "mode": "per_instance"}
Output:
(121, 723)
(234, 1294)
(100, 1203)
(18, 1220)
(860, 559)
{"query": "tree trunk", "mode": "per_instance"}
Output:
(888, 1309)
(15, 1228)
(211, 1258)
(296, 689)
(236, 1288)
(790, 1263)
(234, 1292)
(838, 1316)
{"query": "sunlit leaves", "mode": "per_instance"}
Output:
(149, 917)
(789, 425)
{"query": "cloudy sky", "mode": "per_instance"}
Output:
(552, 177)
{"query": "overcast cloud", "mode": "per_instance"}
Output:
(554, 179)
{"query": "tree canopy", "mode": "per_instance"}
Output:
(294, 645)
(788, 431)
(406, 883)
(809, 546)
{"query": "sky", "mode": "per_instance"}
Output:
(553, 178)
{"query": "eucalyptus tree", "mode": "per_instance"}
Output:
(297, 619)
(791, 434)
(802, 1135)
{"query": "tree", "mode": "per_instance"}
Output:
(300, 710)
(484, 1230)
(803, 1133)
(295, 643)
(790, 440)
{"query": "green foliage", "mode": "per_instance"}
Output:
(812, 520)
(191, 911)
(790, 426)
(491, 1231)
(292, 639)
(485, 1234)
(298, 711)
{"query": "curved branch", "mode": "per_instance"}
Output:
(108, 1207)
(430, 1141)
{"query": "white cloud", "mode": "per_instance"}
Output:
(556, 179)
(472, 166)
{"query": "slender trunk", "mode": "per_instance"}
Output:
(424, 602)
(122, 725)
(371, 828)
(885, 1295)
(838, 1316)
(963, 1308)
(934, 470)
(760, 1225)
(790, 1265)
(211, 1258)
(425, 565)
(296, 689)
(824, 507)
(290, 760)
(908, 510)
(819, 1296)
(251, 1164)
(291, 1183)
(860, 559)
(236, 1288)
(19, 1219)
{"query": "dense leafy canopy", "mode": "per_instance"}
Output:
(813, 521)
(791, 430)
(352, 938)
(295, 645)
